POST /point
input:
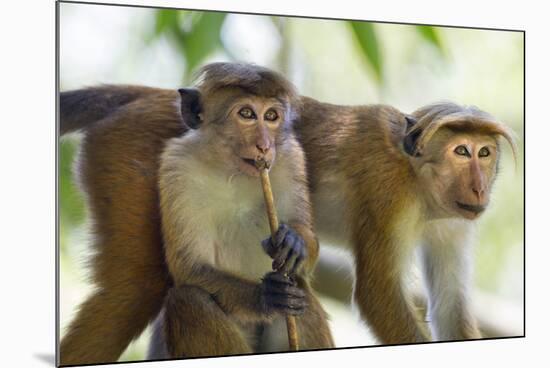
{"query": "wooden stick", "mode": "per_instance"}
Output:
(274, 225)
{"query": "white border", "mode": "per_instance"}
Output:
(27, 181)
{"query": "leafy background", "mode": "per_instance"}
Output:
(346, 62)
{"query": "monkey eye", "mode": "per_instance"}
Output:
(247, 113)
(484, 152)
(462, 151)
(271, 115)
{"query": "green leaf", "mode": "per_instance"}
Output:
(368, 42)
(165, 23)
(195, 34)
(202, 39)
(166, 20)
(431, 34)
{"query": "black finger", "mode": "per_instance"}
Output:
(297, 243)
(276, 277)
(291, 307)
(286, 301)
(280, 235)
(281, 256)
(278, 282)
(289, 262)
(284, 290)
(268, 247)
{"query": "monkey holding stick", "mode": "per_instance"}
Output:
(225, 300)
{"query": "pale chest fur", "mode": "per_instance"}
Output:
(228, 218)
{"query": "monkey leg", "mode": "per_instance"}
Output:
(107, 322)
(131, 282)
(194, 325)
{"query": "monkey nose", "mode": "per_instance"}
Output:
(479, 192)
(263, 148)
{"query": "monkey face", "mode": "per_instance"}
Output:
(249, 107)
(253, 125)
(459, 171)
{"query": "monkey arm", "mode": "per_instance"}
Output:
(379, 291)
(447, 269)
(236, 296)
(311, 245)
(241, 298)
(190, 262)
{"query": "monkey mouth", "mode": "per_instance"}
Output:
(257, 163)
(250, 161)
(477, 209)
(248, 166)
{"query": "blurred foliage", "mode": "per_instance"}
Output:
(71, 201)
(195, 34)
(365, 34)
(368, 42)
(431, 35)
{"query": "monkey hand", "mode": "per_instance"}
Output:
(287, 248)
(280, 294)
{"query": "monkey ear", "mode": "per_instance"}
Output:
(191, 107)
(409, 142)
